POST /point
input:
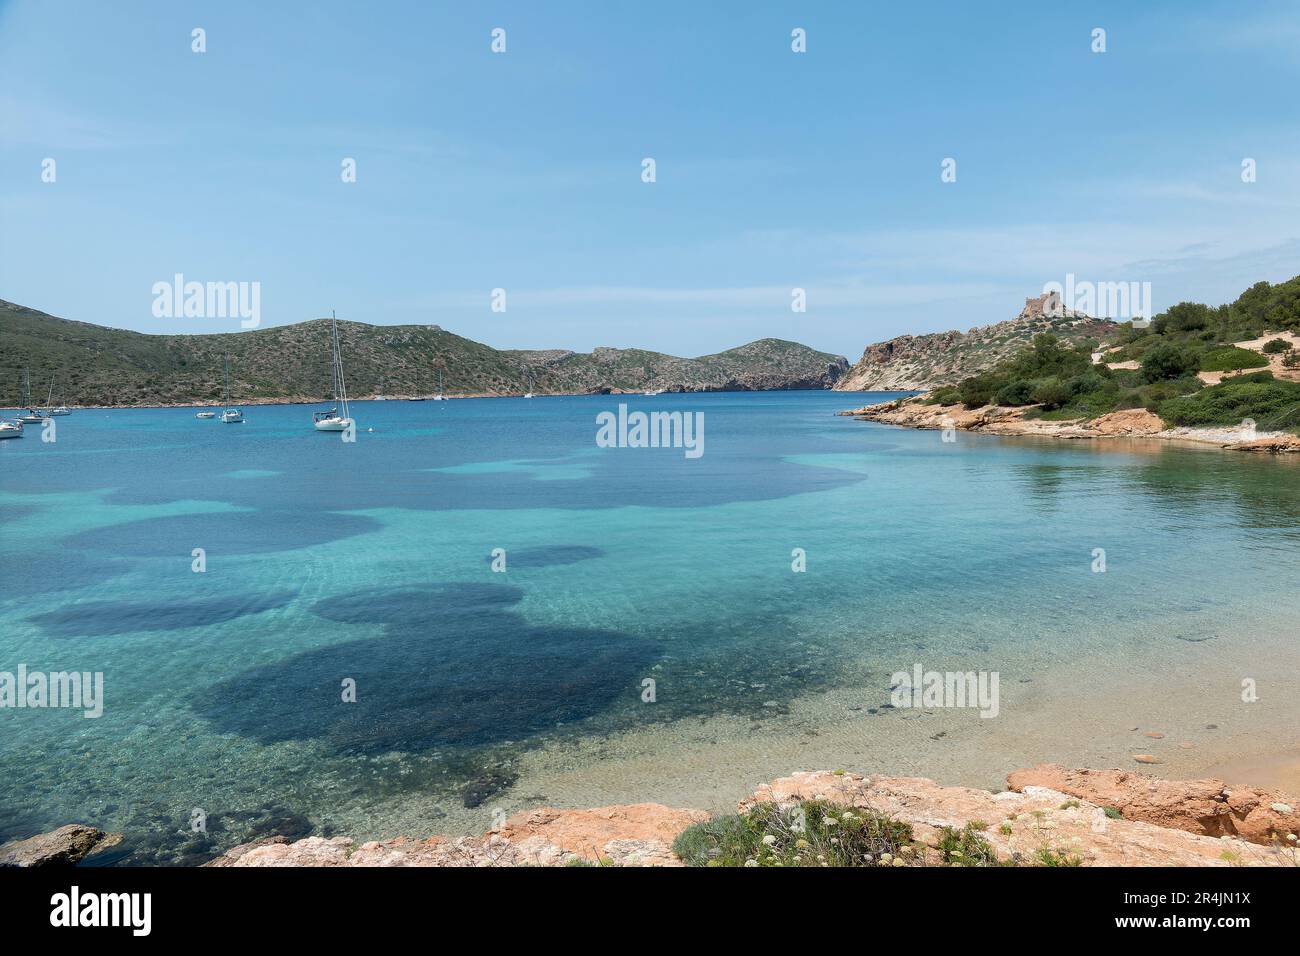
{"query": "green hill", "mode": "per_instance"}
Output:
(94, 365)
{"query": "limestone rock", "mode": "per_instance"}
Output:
(587, 833)
(62, 847)
(1197, 806)
(1038, 818)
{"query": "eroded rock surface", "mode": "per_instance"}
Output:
(1021, 825)
(637, 835)
(1051, 815)
(1210, 807)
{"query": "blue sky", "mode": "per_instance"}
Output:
(522, 170)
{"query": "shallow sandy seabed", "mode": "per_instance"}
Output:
(1084, 719)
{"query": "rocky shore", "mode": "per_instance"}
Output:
(913, 412)
(1048, 813)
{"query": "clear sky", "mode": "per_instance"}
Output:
(522, 170)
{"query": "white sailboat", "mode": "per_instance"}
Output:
(11, 430)
(229, 415)
(30, 414)
(332, 420)
(439, 397)
(50, 410)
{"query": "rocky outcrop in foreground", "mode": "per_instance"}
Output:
(1049, 816)
(913, 412)
(62, 847)
(1208, 807)
(1129, 820)
(636, 835)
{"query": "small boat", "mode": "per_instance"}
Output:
(206, 415)
(30, 414)
(332, 420)
(50, 410)
(231, 416)
(654, 391)
(528, 394)
(11, 430)
(439, 397)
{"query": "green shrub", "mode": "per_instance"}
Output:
(1229, 358)
(1052, 393)
(1018, 392)
(1276, 346)
(1167, 360)
(1271, 403)
(944, 395)
(979, 390)
(1183, 317)
(966, 847)
(813, 833)
(1049, 857)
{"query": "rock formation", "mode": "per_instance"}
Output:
(1097, 818)
(914, 412)
(911, 362)
(62, 847)
(1209, 807)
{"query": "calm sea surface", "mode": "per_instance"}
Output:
(371, 562)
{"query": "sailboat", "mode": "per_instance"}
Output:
(332, 420)
(50, 410)
(30, 415)
(231, 416)
(439, 397)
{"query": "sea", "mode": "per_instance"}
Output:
(477, 607)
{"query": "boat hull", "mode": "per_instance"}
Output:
(334, 424)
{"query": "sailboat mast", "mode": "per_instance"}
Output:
(338, 365)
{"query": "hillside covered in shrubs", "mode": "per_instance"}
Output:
(1061, 381)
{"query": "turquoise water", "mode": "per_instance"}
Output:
(328, 561)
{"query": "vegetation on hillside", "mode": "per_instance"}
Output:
(1061, 381)
(93, 365)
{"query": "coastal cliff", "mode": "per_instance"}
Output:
(912, 362)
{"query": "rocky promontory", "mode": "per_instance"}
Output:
(915, 412)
